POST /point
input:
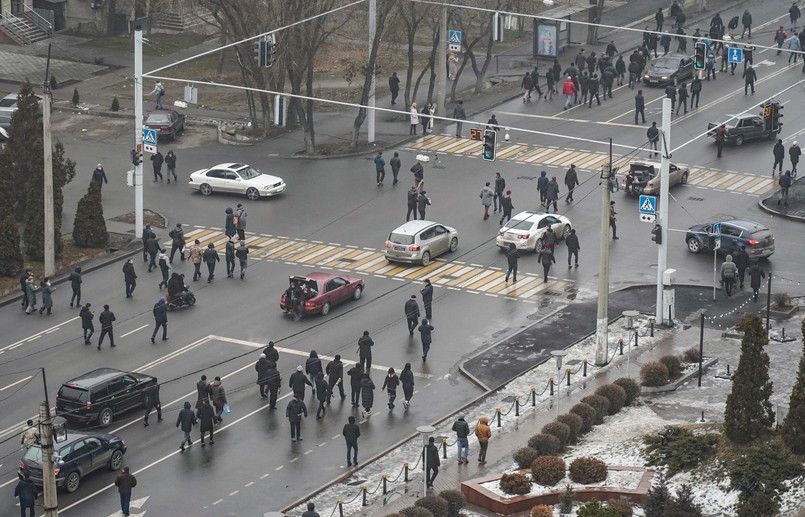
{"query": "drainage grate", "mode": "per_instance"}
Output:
(526, 177)
(695, 198)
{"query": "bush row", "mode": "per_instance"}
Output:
(667, 369)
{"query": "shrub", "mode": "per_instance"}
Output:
(548, 470)
(681, 450)
(587, 414)
(601, 406)
(545, 444)
(594, 509)
(622, 506)
(89, 226)
(767, 466)
(673, 364)
(559, 430)
(525, 457)
(588, 470)
(415, 511)
(542, 510)
(11, 260)
(793, 430)
(54, 84)
(76, 99)
(691, 355)
(658, 498)
(781, 301)
(683, 504)
(517, 484)
(574, 423)
(115, 104)
(566, 500)
(615, 394)
(434, 504)
(455, 501)
(654, 374)
(631, 388)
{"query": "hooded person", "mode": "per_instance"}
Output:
(390, 383)
(313, 367)
(218, 396)
(425, 330)
(261, 367)
(462, 430)
(185, 421)
(210, 257)
(206, 419)
(367, 394)
(729, 271)
(229, 227)
(335, 377)
(298, 381)
(322, 393)
(273, 384)
(483, 432)
(407, 381)
(355, 374)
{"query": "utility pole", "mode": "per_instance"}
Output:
(46, 437)
(662, 212)
(50, 216)
(602, 320)
(138, 130)
(441, 66)
(372, 31)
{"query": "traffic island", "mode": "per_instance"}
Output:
(795, 209)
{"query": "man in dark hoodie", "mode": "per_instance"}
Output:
(177, 242)
(186, 420)
(206, 419)
(130, 277)
(432, 462)
(202, 391)
(542, 184)
(313, 367)
(75, 284)
(335, 377)
(351, 434)
(160, 319)
(412, 313)
(322, 393)
(210, 258)
(261, 367)
(462, 430)
(294, 412)
(273, 384)
(152, 402)
(355, 373)
(298, 381)
(86, 316)
(271, 352)
(573, 247)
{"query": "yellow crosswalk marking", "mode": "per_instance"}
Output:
(281, 249)
(511, 151)
(428, 140)
(311, 254)
(347, 253)
(472, 280)
(764, 186)
(488, 279)
(571, 159)
(556, 157)
(529, 156)
(472, 272)
(468, 147)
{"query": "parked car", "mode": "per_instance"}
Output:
(237, 178)
(525, 230)
(420, 241)
(8, 104)
(77, 456)
(758, 240)
(669, 69)
(101, 394)
(318, 292)
(644, 178)
(744, 127)
(168, 123)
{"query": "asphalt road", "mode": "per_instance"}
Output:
(337, 201)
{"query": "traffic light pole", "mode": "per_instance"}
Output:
(138, 131)
(662, 212)
(602, 314)
(46, 437)
(47, 140)
(370, 126)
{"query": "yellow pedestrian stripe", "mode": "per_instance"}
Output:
(539, 156)
(442, 272)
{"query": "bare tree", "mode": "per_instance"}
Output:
(466, 22)
(412, 15)
(594, 17)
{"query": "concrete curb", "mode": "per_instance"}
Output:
(672, 386)
(778, 213)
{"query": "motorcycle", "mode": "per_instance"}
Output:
(186, 299)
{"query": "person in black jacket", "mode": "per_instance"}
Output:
(367, 394)
(573, 247)
(462, 430)
(261, 367)
(186, 419)
(365, 344)
(106, 318)
(294, 412)
(351, 434)
(86, 322)
(99, 176)
(271, 352)
(298, 381)
(75, 284)
(210, 257)
(546, 258)
(203, 391)
(206, 420)
(311, 512)
(407, 381)
(779, 156)
(130, 277)
(335, 377)
(355, 374)
(152, 402)
(639, 106)
(229, 257)
(412, 198)
(322, 392)
(741, 259)
(170, 162)
(312, 368)
(152, 246)
(506, 206)
(157, 160)
(427, 298)
(695, 91)
(432, 462)
(500, 188)
(412, 313)
(511, 257)
(160, 319)
(749, 77)
(426, 336)
(26, 493)
(390, 383)
(571, 180)
(273, 384)
(660, 18)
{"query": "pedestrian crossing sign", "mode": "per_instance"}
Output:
(150, 140)
(454, 40)
(648, 204)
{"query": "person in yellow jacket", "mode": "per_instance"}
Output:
(483, 432)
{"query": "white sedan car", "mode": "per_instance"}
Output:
(237, 178)
(525, 230)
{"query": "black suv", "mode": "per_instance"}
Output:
(742, 128)
(756, 238)
(101, 394)
(77, 456)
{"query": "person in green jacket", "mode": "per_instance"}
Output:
(47, 295)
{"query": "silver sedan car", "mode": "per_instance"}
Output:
(420, 241)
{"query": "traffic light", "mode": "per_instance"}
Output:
(701, 50)
(656, 234)
(776, 115)
(768, 119)
(264, 53)
(490, 137)
(136, 158)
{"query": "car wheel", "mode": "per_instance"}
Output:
(694, 245)
(173, 135)
(325, 309)
(426, 258)
(566, 231)
(73, 481)
(453, 244)
(684, 179)
(205, 189)
(253, 194)
(357, 294)
(106, 417)
(538, 246)
(116, 461)
(739, 140)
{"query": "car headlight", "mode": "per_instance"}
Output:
(665, 77)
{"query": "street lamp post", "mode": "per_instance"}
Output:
(426, 431)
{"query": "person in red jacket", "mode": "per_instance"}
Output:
(568, 90)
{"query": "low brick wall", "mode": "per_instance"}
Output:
(478, 495)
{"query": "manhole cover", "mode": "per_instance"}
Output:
(696, 198)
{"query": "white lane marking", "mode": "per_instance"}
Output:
(567, 119)
(280, 467)
(216, 502)
(15, 383)
(21, 341)
(172, 355)
(247, 485)
(233, 493)
(133, 331)
(265, 475)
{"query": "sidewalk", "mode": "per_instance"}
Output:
(795, 209)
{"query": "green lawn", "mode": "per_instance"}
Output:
(157, 44)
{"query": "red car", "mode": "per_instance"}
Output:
(168, 123)
(318, 292)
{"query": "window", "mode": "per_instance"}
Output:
(730, 231)
(552, 220)
(73, 394)
(79, 449)
(673, 168)
(215, 173)
(335, 283)
(231, 176)
(129, 381)
(428, 234)
(399, 238)
(248, 173)
(440, 230)
(519, 224)
(90, 444)
(545, 221)
(115, 386)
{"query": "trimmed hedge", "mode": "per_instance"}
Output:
(601, 406)
(631, 387)
(587, 414)
(415, 511)
(615, 394)
(674, 365)
(525, 457)
(654, 374)
(574, 423)
(691, 355)
(545, 444)
(542, 510)
(516, 484)
(559, 430)
(548, 470)
(588, 470)
(455, 501)
(434, 504)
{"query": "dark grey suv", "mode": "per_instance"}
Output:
(101, 394)
(757, 239)
(743, 128)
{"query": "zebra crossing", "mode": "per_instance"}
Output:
(541, 156)
(455, 275)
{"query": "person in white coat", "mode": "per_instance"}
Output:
(414, 119)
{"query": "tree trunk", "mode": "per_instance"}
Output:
(594, 18)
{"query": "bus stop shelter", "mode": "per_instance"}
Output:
(553, 33)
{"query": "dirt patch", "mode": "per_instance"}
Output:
(158, 44)
(149, 217)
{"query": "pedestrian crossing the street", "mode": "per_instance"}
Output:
(455, 275)
(541, 156)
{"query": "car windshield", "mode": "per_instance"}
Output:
(666, 62)
(73, 394)
(399, 238)
(7, 103)
(34, 455)
(248, 173)
(158, 118)
(518, 224)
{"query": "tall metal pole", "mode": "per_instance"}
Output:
(372, 30)
(768, 303)
(662, 212)
(441, 66)
(138, 130)
(46, 438)
(601, 322)
(701, 346)
(50, 216)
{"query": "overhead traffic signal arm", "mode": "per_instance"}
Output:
(490, 140)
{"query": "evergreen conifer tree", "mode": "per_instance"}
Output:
(749, 411)
(11, 260)
(794, 424)
(657, 498)
(89, 228)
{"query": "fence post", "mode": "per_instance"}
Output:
(385, 484)
(340, 508)
(405, 472)
(651, 326)
(363, 492)
(497, 415)
(585, 367)
(533, 397)
(550, 382)
(444, 448)
(517, 406)
(568, 371)
(620, 345)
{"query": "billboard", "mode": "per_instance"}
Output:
(546, 39)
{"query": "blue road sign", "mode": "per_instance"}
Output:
(717, 229)
(149, 136)
(648, 205)
(454, 37)
(735, 55)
